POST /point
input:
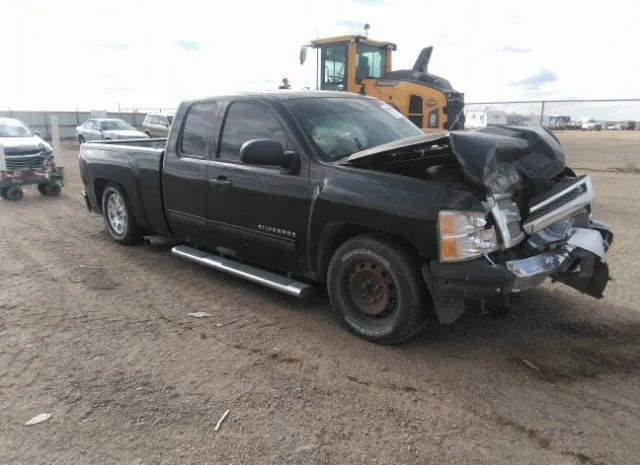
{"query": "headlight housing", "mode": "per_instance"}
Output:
(464, 235)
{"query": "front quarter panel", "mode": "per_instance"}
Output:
(401, 206)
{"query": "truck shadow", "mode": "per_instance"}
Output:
(554, 335)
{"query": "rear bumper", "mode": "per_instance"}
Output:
(579, 262)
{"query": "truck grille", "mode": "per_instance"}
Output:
(24, 162)
(565, 203)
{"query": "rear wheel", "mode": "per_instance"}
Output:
(375, 287)
(50, 190)
(118, 218)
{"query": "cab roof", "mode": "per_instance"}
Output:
(283, 95)
(353, 38)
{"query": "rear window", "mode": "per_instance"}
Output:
(198, 131)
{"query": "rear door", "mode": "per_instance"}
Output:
(185, 172)
(97, 130)
(155, 126)
(163, 126)
(257, 212)
(93, 132)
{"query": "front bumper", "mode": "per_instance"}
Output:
(578, 261)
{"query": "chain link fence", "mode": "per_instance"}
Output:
(620, 114)
(68, 120)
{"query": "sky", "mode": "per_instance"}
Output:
(151, 54)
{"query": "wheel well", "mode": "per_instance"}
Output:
(335, 235)
(98, 187)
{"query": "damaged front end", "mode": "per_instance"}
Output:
(536, 225)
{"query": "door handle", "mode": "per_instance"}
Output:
(221, 182)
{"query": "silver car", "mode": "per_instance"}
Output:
(107, 129)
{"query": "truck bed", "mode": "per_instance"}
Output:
(137, 164)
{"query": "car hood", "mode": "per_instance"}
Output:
(498, 159)
(125, 134)
(30, 144)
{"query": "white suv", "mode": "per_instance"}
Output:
(157, 124)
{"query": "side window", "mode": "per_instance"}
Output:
(88, 124)
(198, 130)
(246, 121)
(370, 62)
(154, 119)
(97, 125)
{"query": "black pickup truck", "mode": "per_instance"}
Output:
(293, 188)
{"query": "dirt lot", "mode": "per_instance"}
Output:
(98, 335)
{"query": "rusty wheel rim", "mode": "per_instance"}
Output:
(372, 290)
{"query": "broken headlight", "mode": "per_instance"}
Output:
(464, 235)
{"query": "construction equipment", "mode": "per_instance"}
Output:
(355, 63)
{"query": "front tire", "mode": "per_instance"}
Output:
(375, 288)
(81, 140)
(13, 193)
(118, 218)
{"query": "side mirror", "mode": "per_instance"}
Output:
(37, 133)
(268, 152)
(303, 55)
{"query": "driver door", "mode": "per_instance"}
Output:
(258, 213)
(334, 67)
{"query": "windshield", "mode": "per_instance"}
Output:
(340, 127)
(115, 125)
(13, 128)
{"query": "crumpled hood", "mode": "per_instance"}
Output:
(498, 159)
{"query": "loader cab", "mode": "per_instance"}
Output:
(358, 64)
(346, 61)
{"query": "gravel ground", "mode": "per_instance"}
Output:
(99, 336)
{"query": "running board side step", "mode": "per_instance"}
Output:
(250, 273)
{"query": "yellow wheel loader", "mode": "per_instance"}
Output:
(355, 63)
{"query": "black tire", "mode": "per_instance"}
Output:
(148, 134)
(376, 289)
(14, 194)
(50, 190)
(118, 218)
(3, 192)
(81, 139)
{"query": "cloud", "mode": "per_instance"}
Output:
(119, 89)
(534, 82)
(512, 49)
(539, 93)
(188, 45)
(349, 24)
(120, 46)
(371, 2)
